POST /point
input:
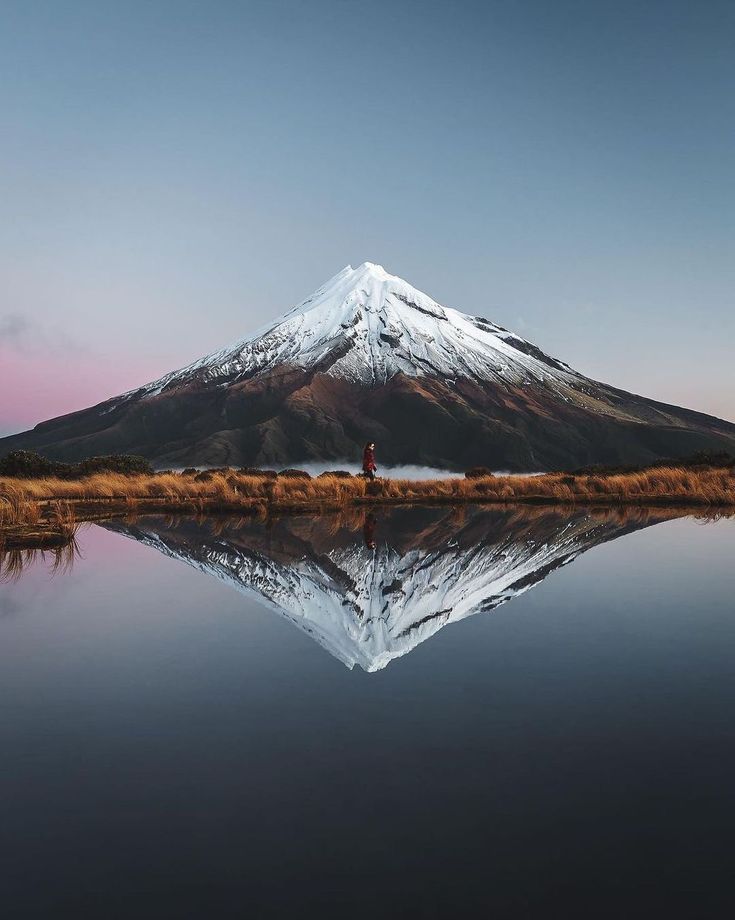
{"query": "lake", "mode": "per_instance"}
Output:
(410, 712)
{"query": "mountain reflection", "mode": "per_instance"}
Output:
(370, 586)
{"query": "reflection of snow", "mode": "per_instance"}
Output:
(367, 606)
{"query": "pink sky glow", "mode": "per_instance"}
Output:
(42, 385)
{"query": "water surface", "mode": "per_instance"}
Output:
(412, 713)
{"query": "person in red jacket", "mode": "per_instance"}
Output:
(368, 460)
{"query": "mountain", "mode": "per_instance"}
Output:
(370, 590)
(367, 356)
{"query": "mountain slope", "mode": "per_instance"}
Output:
(368, 605)
(369, 356)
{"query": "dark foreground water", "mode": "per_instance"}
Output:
(426, 713)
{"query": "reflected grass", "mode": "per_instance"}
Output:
(60, 560)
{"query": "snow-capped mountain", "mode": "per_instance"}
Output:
(369, 357)
(366, 326)
(373, 593)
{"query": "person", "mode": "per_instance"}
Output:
(368, 460)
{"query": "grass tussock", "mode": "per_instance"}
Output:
(26, 522)
(60, 503)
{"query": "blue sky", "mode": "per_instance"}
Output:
(174, 174)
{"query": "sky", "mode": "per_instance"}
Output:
(175, 174)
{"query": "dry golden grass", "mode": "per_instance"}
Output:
(61, 502)
(17, 510)
(26, 521)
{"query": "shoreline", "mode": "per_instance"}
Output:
(48, 511)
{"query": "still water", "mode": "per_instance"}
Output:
(426, 712)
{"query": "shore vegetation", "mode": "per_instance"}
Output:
(50, 506)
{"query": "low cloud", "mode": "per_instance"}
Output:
(20, 334)
(14, 328)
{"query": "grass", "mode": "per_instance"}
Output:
(57, 504)
(29, 523)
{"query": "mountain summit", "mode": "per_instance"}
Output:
(367, 326)
(368, 356)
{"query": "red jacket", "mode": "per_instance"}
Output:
(368, 460)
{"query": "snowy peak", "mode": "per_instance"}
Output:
(366, 325)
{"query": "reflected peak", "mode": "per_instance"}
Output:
(370, 588)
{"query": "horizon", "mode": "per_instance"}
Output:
(564, 172)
